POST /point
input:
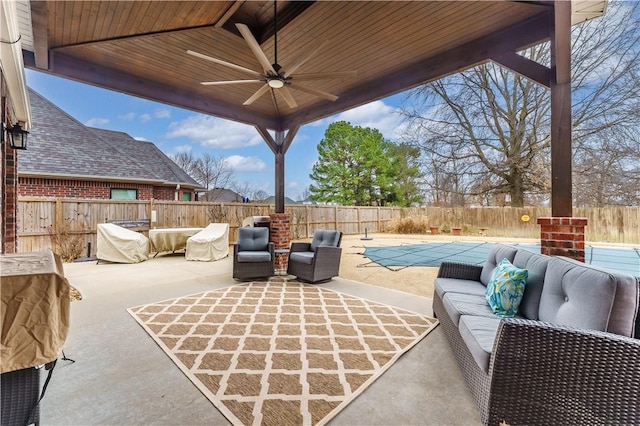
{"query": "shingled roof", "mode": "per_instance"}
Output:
(62, 147)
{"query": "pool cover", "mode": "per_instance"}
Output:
(433, 254)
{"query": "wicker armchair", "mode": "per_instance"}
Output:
(253, 254)
(316, 261)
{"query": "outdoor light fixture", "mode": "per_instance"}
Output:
(276, 83)
(17, 137)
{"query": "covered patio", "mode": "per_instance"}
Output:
(121, 376)
(280, 65)
(376, 49)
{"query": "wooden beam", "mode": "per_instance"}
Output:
(291, 133)
(525, 67)
(517, 37)
(286, 15)
(279, 146)
(40, 25)
(266, 136)
(279, 167)
(561, 182)
(77, 69)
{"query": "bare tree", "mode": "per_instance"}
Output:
(493, 125)
(212, 172)
(186, 161)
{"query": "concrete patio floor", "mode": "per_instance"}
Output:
(121, 377)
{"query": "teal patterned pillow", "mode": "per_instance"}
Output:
(505, 289)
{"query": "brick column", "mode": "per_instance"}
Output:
(280, 236)
(562, 236)
(9, 189)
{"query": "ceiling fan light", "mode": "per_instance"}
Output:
(276, 83)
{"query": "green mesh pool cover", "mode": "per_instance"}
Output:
(433, 254)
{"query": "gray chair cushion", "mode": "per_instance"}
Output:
(252, 239)
(576, 295)
(536, 265)
(479, 334)
(325, 238)
(455, 285)
(253, 256)
(458, 304)
(305, 257)
(624, 311)
(496, 254)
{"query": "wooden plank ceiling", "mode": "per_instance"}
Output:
(140, 48)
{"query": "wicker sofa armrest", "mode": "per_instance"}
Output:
(299, 246)
(543, 373)
(463, 271)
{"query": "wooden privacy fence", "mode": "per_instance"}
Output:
(74, 221)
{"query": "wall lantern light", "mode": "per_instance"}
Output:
(17, 136)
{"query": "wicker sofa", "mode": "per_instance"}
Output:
(568, 357)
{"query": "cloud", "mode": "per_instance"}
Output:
(144, 118)
(239, 163)
(292, 184)
(182, 148)
(376, 115)
(96, 122)
(141, 138)
(215, 132)
(162, 113)
(130, 116)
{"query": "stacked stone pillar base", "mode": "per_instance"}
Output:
(562, 236)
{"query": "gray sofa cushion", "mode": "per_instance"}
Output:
(479, 334)
(455, 285)
(576, 295)
(457, 304)
(496, 254)
(325, 238)
(251, 239)
(536, 264)
(254, 256)
(624, 311)
(302, 257)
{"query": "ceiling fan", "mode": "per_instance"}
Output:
(273, 76)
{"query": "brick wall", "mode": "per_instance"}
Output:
(42, 187)
(562, 236)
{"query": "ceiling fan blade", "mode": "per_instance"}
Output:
(221, 62)
(261, 91)
(255, 48)
(320, 93)
(220, 83)
(288, 97)
(324, 75)
(301, 62)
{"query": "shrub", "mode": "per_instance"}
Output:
(410, 225)
(66, 244)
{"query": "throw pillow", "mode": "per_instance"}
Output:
(505, 288)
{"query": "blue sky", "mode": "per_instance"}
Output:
(173, 129)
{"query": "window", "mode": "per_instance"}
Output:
(124, 194)
(186, 196)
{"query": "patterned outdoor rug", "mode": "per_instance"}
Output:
(281, 352)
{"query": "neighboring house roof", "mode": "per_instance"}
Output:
(272, 200)
(62, 147)
(222, 195)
